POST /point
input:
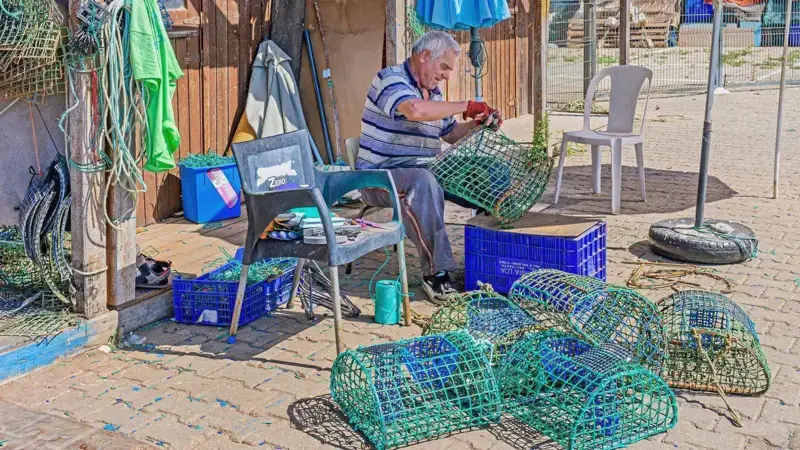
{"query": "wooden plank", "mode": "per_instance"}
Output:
(234, 81)
(537, 42)
(289, 35)
(395, 27)
(266, 16)
(121, 250)
(89, 239)
(209, 65)
(221, 124)
(184, 123)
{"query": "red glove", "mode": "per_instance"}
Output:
(475, 109)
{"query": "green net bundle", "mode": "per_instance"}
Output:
(487, 316)
(410, 391)
(268, 269)
(598, 312)
(583, 396)
(490, 170)
(17, 271)
(706, 326)
(210, 159)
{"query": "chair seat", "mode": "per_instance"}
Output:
(368, 240)
(592, 137)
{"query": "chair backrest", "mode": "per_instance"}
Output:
(351, 145)
(626, 85)
(271, 162)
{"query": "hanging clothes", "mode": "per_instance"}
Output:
(462, 14)
(155, 66)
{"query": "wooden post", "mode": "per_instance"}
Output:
(538, 44)
(624, 32)
(121, 252)
(395, 30)
(87, 218)
(525, 68)
(289, 15)
(589, 43)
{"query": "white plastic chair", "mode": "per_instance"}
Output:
(626, 85)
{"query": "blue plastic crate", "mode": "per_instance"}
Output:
(208, 302)
(201, 201)
(500, 257)
(697, 11)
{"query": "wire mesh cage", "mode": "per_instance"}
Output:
(583, 396)
(487, 316)
(492, 171)
(409, 391)
(598, 312)
(712, 342)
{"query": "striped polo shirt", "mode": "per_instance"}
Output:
(388, 139)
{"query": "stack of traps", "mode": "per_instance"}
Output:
(585, 363)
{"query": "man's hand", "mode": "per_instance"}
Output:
(475, 109)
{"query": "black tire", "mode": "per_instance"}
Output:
(675, 239)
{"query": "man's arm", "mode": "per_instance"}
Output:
(420, 110)
(459, 131)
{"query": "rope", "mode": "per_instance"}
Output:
(737, 420)
(35, 144)
(671, 276)
(9, 106)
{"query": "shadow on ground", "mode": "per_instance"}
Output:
(667, 191)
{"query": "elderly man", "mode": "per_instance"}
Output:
(404, 123)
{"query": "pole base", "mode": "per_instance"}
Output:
(718, 242)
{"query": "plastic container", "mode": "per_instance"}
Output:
(202, 203)
(697, 11)
(208, 302)
(794, 35)
(756, 27)
(501, 257)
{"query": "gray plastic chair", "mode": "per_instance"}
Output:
(626, 85)
(285, 160)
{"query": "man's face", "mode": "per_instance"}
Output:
(436, 70)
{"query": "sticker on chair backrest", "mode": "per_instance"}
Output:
(223, 187)
(276, 175)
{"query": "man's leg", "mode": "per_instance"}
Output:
(422, 203)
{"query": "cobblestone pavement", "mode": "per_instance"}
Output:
(187, 388)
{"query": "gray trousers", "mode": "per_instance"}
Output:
(422, 204)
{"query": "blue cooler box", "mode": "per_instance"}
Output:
(201, 201)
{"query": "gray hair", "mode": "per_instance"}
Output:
(436, 42)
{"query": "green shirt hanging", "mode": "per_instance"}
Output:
(155, 66)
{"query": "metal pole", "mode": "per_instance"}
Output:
(320, 104)
(477, 57)
(589, 44)
(787, 22)
(705, 152)
(624, 32)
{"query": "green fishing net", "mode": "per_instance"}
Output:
(705, 329)
(597, 312)
(409, 391)
(487, 316)
(231, 269)
(210, 159)
(583, 396)
(490, 170)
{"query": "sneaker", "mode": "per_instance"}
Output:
(438, 287)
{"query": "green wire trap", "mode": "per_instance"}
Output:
(597, 312)
(210, 159)
(712, 342)
(492, 171)
(487, 316)
(582, 396)
(410, 391)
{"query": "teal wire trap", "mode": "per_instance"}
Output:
(414, 390)
(597, 312)
(210, 159)
(713, 345)
(581, 396)
(487, 316)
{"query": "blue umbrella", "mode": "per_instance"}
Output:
(462, 14)
(465, 15)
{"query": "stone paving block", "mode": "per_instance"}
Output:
(201, 366)
(476, 440)
(77, 405)
(54, 431)
(229, 394)
(121, 417)
(784, 329)
(779, 343)
(166, 431)
(686, 433)
(748, 407)
(186, 407)
(298, 384)
(777, 434)
(105, 440)
(778, 411)
(703, 418)
(223, 442)
(148, 375)
(283, 434)
(189, 383)
(788, 393)
(250, 376)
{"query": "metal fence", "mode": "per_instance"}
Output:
(671, 37)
